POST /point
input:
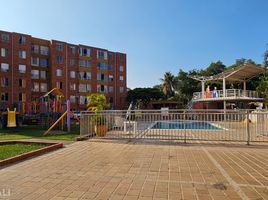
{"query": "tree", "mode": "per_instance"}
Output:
(265, 61)
(168, 83)
(97, 102)
(214, 68)
(263, 89)
(143, 96)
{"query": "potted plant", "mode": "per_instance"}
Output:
(97, 102)
(100, 125)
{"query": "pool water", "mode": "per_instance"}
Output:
(184, 125)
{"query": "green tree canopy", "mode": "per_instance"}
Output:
(97, 102)
(168, 83)
(144, 95)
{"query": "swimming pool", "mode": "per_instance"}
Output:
(190, 125)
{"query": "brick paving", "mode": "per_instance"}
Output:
(109, 170)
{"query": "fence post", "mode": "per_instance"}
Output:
(184, 118)
(81, 124)
(247, 127)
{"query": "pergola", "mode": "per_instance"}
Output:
(239, 74)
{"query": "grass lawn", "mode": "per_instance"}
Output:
(26, 132)
(10, 150)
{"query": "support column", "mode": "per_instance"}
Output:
(224, 95)
(68, 116)
(203, 89)
(224, 87)
(245, 87)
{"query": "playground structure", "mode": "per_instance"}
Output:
(50, 111)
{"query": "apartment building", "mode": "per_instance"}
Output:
(31, 66)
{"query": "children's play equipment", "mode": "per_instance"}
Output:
(50, 111)
(11, 118)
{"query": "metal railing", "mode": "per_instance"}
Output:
(177, 125)
(230, 93)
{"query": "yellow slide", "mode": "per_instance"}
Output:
(11, 118)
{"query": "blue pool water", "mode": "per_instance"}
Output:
(184, 125)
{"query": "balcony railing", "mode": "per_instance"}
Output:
(229, 94)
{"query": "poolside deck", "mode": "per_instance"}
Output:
(100, 169)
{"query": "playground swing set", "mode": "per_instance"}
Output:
(50, 111)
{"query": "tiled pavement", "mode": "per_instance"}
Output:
(108, 170)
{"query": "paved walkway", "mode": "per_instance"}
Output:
(101, 170)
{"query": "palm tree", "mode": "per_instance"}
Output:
(168, 83)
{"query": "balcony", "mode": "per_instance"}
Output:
(230, 94)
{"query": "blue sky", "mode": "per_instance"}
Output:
(157, 35)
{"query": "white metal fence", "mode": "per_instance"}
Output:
(230, 93)
(177, 125)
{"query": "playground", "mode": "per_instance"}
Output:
(50, 118)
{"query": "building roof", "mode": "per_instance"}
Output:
(241, 73)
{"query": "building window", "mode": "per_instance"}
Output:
(43, 74)
(22, 54)
(4, 82)
(84, 51)
(121, 57)
(121, 78)
(102, 54)
(110, 67)
(22, 39)
(59, 85)
(44, 50)
(72, 86)
(72, 99)
(84, 63)
(72, 74)
(85, 75)
(5, 37)
(22, 83)
(111, 78)
(59, 46)
(82, 100)
(102, 77)
(35, 74)
(88, 87)
(102, 66)
(121, 90)
(59, 59)
(110, 100)
(35, 48)
(110, 55)
(72, 50)
(110, 89)
(43, 62)
(4, 67)
(43, 87)
(35, 87)
(84, 87)
(22, 69)
(35, 61)
(72, 61)
(102, 88)
(22, 97)
(121, 68)
(4, 52)
(4, 96)
(58, 72)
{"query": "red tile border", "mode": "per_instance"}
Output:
(51, 146)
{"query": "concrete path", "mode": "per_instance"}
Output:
(103, 170)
